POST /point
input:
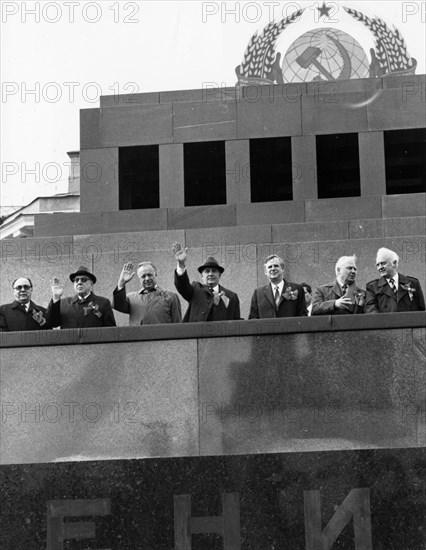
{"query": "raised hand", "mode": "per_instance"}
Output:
(180, 254)
(126, 275)
(57, 289)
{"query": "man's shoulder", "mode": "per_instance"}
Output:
(374, 283)
(7, 307)
(229, 293)
(99, 299)
(36, 306)
(164, 292)
(330, 284)
(408, 278)
(261, 289)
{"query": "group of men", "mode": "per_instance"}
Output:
(208, 300)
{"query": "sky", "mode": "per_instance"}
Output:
(58, 57)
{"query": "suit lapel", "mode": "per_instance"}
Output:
(337, 290)
(402, 280)
(384, 288)
(267, 290)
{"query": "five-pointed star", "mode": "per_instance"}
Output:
(324, 10)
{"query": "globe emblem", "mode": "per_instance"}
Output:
(324, 54)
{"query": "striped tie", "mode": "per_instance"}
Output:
(392, 285)
(277, 296)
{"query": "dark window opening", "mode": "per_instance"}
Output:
(338, 166)
(405, 161)
(271, 170)
(204, 173)
(139, 177)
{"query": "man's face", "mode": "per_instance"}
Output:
(210, 276)
(346, 273)
(83, 285)
(385, 266)
(22, 290)
(308, 296)
(146, 274)
(274, 270)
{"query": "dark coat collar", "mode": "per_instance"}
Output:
(18, 305)
(76, 298)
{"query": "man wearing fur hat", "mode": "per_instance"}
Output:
(208, 301)
(84, 309)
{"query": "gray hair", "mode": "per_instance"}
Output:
(274, 256)
(387, 253)
(143, 264)
(344, 259)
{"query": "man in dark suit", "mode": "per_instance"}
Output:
(208, 301)
(84, 309)
(342, 296)
(279, 298)
(22, 313)
(393, 291)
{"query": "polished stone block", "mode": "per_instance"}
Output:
(304, 167)
(136, 125)
(210, 92)
(208, 121)
(90, 129)
(258, 502)
(274, 117)
(125, 100)
(410, 83)
(289, 92)
(270, 213)
(397, 108)
(372, 163)
(224, 241)
(309, 231)
(401, 227)
(99, 401)
(409, 205)
(287, 393)
(61, 224)
(147, 219)
(365, 229)
(98, 223)
(35, 249)
(201, 216)
(387, 227)
(333, 113)
(350, 208)
(172, 192)
(238, 171)
(99, 179)
(338, 86)
(129, 246)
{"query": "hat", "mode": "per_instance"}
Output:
(211, 262)
(82, 270)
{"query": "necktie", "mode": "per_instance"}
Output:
(277, 296)
(344, 287)
(392, 285)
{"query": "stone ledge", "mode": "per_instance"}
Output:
(223, 329)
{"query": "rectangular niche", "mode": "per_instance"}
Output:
(139, 177)
(271, 169)
(405, 161)
(338, 170)
(204, 169)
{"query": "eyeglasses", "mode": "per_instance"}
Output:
(81, 280)
(21, 287)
